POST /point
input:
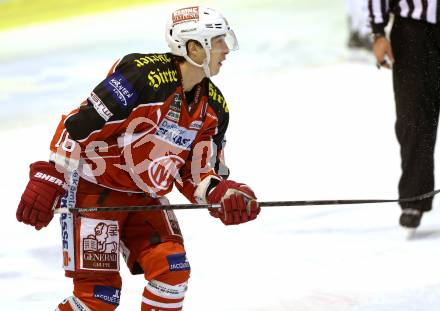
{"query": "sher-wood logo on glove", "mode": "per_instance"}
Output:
(41, 195)
(49, 178)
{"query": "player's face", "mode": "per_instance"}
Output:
(219, 49)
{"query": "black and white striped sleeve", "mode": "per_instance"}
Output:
(379, 11)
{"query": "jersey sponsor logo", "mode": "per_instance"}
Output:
(174, 113)
(108, 294)
(99, 244)
(211, 116)
(100, 107)
(163, 170)
(196, 125)
(159, 77)
(121, 90)
(217, 97)
(186, 14)
(66, 222)
(177, 102)
(175, 135)
(49, 178)
(178, 262)
(152, 59)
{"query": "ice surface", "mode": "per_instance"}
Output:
(309, 120)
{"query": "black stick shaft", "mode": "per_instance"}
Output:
(262, 204)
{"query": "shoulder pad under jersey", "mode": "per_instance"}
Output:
(135, 80)
(159, 74)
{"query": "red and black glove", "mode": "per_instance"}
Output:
(238, 203)
(41, 196)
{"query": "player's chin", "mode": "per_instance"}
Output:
(215, 70)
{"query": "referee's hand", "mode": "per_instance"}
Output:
(383, 52)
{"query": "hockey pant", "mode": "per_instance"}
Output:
(150, 243)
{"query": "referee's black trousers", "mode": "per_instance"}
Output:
(416, 80)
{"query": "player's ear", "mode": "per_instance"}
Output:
(195, 51)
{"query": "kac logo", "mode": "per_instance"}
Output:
(163, 170)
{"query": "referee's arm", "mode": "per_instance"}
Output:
(379, 17)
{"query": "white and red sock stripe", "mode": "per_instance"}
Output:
(161, 296)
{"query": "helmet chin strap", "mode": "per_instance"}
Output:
(204, 65)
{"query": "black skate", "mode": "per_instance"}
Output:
(410, 218)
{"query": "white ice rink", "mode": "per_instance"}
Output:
(309, 120)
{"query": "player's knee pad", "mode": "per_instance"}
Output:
(98, 292)
(162, 296)
(168, 270)
(72, 303)
(165, 262)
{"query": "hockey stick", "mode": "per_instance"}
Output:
(262, 204)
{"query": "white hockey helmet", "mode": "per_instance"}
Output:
(200, 24)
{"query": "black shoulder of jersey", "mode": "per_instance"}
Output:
(137, 79)
(158, 73)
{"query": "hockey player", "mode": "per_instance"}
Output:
(156, 121)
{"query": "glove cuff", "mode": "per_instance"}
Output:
(220, 190)
(204, 188)
(46, 173)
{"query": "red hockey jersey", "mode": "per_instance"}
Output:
(139, 131)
